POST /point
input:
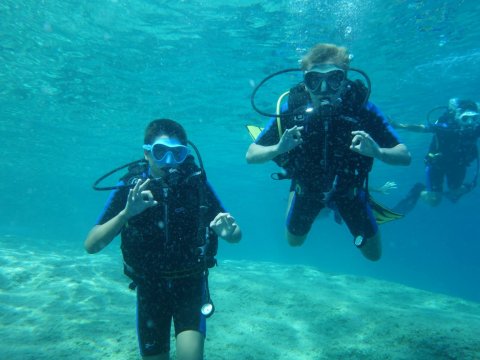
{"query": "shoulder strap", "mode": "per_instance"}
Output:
(207, 239)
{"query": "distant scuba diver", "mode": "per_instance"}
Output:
(169, 219)
(325, 138)
(452, 150)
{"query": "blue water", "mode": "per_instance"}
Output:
(79, 80)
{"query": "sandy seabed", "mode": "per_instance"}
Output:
(69, 305)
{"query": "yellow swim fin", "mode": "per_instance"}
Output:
(383, 214)
(254, 131)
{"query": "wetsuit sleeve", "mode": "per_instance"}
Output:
(269, 135)
(429, 128)
(439, 128)
(379, 128)
(115, 203)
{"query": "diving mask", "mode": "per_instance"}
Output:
(167, 151)
(468, 118)
(329, 74)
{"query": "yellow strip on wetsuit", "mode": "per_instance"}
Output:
(279, 104)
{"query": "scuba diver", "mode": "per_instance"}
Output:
(452, 150)
(325, 138)
(169, 219)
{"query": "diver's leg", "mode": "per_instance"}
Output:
(153, 321)
(455, 178)
(432, 194)
(190, 345)
(157, 357)
(293, 240)
(432, 198)
(372, 247)
(408, 203)
(302, 210)
(358, 216)
(190, 294)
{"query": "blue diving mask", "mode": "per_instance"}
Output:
(329, 74)
(167, 151)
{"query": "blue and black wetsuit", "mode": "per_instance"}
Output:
(451, 152)
(324, 171)
(160, 247)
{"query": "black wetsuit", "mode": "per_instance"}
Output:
(451, 151)
(324, 171)
(160, 250)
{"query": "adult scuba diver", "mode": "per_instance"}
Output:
(452, 150)
(326, 137)
(169, 219)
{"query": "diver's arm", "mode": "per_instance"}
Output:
(138, 200)
(102, 235)
(397, 155)
(409, 127)
(364, 144)
(413, 127)
(385, 188)
(258, 154)
(235, 236)
(226, 227)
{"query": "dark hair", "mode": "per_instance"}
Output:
(164, 127)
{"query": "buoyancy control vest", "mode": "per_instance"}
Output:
(451, 143)
(324, 161)
(172, 239)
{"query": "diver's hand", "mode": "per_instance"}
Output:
(139, 199)
(364, 144)
(291, 138)
(385, 188)
(224, 225)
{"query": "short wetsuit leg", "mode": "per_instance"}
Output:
(189, 296)
(455, 176)
(455, 180)
(154, 315)
(358, 215)
(180, 299)
(304, 208)
(434, 178)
